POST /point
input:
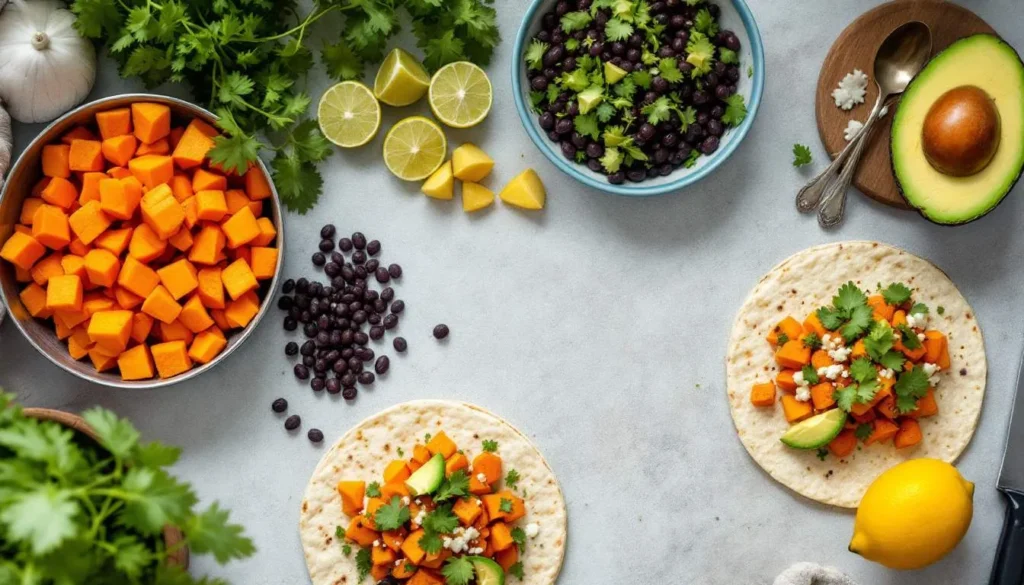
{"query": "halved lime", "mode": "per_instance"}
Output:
(815, 432)
(401, 79)
(414, 148)
(460, 94)
(349, 115)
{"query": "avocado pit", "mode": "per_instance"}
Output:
(961, 131)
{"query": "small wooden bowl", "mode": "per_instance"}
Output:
(172, 535)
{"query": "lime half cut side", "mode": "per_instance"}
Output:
(349, 114)
(460, 94)
(401, 79)
(414, 148)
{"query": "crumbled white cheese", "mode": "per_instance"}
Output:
(376, 543)
(420, 516)
(532, 529)
(852, 128)
(846, 373)
(917, 320)
(803, 393)
(417, 500)
(831, 372)
(840, 355)
(920, 336)
(460, 539)
(406, 500)
(798, 379)
(886, 373)
(852, 89)
(931, 370)
(475, 551)
(481, 478)
(398, 562)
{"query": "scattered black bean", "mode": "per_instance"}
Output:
(333, 386)
(319, 259)
(317, 384)
(382, 364)
(366, 378)
(395, 271)
(292, 422)
(315, 435)
(279, 405)
(400, 344)
(398, 306)
(291, 348)
(441, 331)
(359, 241)
(349, 393)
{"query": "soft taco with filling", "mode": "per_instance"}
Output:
(433, 493)
(849, 358)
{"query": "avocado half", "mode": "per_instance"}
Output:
(985, 61)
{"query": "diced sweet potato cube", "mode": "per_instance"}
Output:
(238, 279)
(181, 240)
(77, 133)
(411, 547)
(152, 170)
(160, 305)
(76, 348)
(111, 330)
(22, 250)
(467, 509)
(175, 331)
(241, 311)
(161, 146)
(501, 536)
(171, 358)
(116, 122)
(211, 205)
(142, 325)
(119, 173)
(795, 410)
(195, 142)
(101, 360)
(241, 228)
(115, 241)
(137, 278)
(267, 232)
(33, 297)
(89, 222)
(162, 212)
(181, 187)
(236, 200)
(397, 470)
(102, 267)
(57, 160)
(264, 262)
(64, 293)
(28, 209)
(59, 192)
(151, 121)
(85, 155)
(763, 394)
(50, 227)
(94, 302)
(207, 246)
(194, 315)
(256, 185)
(191, 212)
(146, 245)
(440, 443)
(179, 278)
(359, 533)
(74, 264)
(119, 150)
(455, 463)
(118, 201)
(136, 363)
(206, 346)
(204, 180)
(47, 267)
(126, 299)
(211, 288)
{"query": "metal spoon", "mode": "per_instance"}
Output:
(899, 58)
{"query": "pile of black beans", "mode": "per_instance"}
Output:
(666, 145)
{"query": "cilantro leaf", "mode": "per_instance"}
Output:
(519, 536)
(612, 160)
(535, 54)
(866, 391)
(516, 570)
(845, 397)
(781, 338)
(849, 297)
(346, 549)
(669, 70)
(341, 62)
(453, 486)
(441, 520)
(879, 340)
(658, 111)
(490, 446)
(298, 182)
(728, 56)
(810, 376)
(893, 360)
(863, 431)
(43, 517)
(811, 340)
(233, 153)
(505, 505)
(155, 454)
(210, 532)
(700, 52)
(116, 435)
(391, 516)
(940, 310)
(860, 320)
(735, 110)
(154, 499)
(574, 21)
(605, 112)
(830, 318)
(896, 293)
(512, 479)
(909, 337)
(911, 386)
(687, 116)
(373, 490)
(430, 542)
(458, 571)
(705, 23)
(862, 370)
(918, 309)
(801, 155)
(617, 29)
(586, 124)
(364, 563)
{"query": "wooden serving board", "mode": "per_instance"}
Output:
(855, 49)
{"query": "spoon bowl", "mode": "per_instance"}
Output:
(901, 56)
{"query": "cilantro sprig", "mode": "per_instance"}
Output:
(911, 387)
(247, 60)
(83, 512)
(801, 155)
(849, 313)
(391, 516)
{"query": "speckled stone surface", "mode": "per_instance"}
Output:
(599, 328)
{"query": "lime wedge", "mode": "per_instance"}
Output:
(414, 148)
(401, 79)
(460, 94)
(349, 115)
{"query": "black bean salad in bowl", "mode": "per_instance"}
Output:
(635, 89)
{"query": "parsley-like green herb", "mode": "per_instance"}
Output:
(516, 570)
(909, 337)
(505, 505)
(441, 520)
(801, 155)
(430, 542)
(458, 571)
(849, 313)
(893, 360)
(822, 453)
(512, 479)
(490, 446)
(519, 536)
(879, 340)
(247, 60)
(617, 29)
(574, 21)
(750, 71)
(401, 452)
(391, 516)
(782, 339)
(845, 397)
(810, 376)
(918, 309)
(812, 340)
(346, 549)
(911, 386)
(339, 532)
(453, 486)
(863, 431)
(862, 370)
(363, 563)
(535, 54)
(373, 490)
(940, 310)
(728, 56)
(896, 293)
(735, 110)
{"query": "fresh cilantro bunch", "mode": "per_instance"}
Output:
(73, 511)
(247, 61)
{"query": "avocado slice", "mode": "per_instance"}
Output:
(428, 478)
(590, 98)
(815, 432)
(488, 572)
(983, 61)
(613, 73)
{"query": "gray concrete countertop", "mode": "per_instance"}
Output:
(598, 327)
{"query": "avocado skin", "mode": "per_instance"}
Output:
(893, 129)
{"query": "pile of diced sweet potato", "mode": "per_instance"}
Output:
(132, 238)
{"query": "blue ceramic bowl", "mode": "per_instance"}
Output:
(735, 16)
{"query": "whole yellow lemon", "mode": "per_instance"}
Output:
(913, 514)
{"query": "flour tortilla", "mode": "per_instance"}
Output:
(365, 450)
(801, 284)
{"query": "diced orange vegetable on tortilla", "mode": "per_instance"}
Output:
(210, 205)
(372, 505)
(117, 122)
(456, 462)
(881, 310)
(22, 250)
(908, 435)
(793, 355)
(394, 488)
(844, 444)
(899, 317)
(858, 350)
(393, 539)
(152, 170)
(162, 212)
(403, 571)
(926, 405)
(137, 278)
(411, 547)
(934, 344)
(492, 505)
(477, 487)
(795, 410)
(883, 430)
(380, 555)
(64, 293)
(467, 510)
(352, 494)
(912, 354)
(241, 228)
(763, 394)
(813, 325)
(420, 454)
(821, 395)
(161, 146)
(102, 267)
(883, 392)
(488, 464)
(864, 418)
(791, 327)
(508, 557)
(50, 227)
(359, 532)
(194, 144)
(396, 471)
(85, 155)
(150, 121)
(160, 305)
(821, 359)
(204, 180)
(425, 577)
(57, 160)
(501, 536)
(887, 408)
(440, 443)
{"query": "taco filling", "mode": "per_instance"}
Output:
(441, 517)
(862, 370)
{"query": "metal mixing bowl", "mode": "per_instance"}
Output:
(27, 171)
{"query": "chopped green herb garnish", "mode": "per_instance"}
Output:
(918, 309)
(822, 453)
(401, 453)
(490, 446)
(863, 431)
(519, 536)
(511, 479)
(458, 570)
(453, 486)
(896, 294)
(911, 386)
(516, 570)
(505, 505)
(535, 54)
(373, 490)
(909, 337)
(346, 549)
(781, 338)
(801, 155)
(363, 563)
(810, 376)
(812, 340)
(940, 310)
(391, 516)
(862, 370)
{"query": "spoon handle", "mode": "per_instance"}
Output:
(833, 200)
(809, 196)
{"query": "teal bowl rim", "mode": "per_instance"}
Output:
(639, 190)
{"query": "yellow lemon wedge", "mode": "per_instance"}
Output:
(440, 185)
(914, 514)
(470, 163)
(525, 191)
(475, 197)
